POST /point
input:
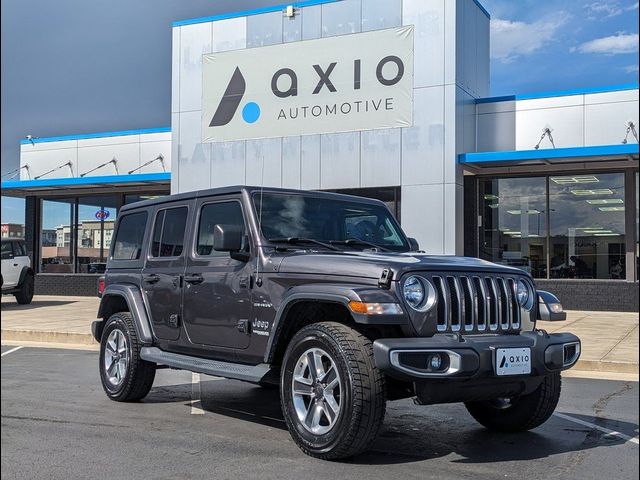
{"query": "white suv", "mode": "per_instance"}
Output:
(17, 275)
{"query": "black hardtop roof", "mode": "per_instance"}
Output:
(237, 189)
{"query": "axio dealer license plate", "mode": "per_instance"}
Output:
(513, 361)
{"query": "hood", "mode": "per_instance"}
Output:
(371, 264)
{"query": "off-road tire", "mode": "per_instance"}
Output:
(524, 413)
(140, 373)
(25, 295)
(363, 399)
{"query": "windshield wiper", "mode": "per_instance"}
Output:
(297, 241)
(357, 241)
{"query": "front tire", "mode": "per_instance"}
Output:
(125, 376)
(25, 295)
(520, 413)
(333, 396)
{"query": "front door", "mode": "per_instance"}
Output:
(162, 282)
(11, 267)
(217, 292)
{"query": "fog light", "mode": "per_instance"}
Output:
(436, 361)
(570, 353)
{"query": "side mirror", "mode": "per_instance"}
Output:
(7, 255)
(549, 307)
(413, 244)
(228, 238)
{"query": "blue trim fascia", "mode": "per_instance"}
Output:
(484, 10)
(246, 13)
(80, 181)
(549, 153)
(84, 136)
(560, 93)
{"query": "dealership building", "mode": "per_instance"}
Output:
(388, 99)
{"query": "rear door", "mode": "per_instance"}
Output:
(162, 275)
(217, 293)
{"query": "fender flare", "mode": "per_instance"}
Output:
(133, 298)
(337, 294)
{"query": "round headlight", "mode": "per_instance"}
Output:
(522, 293)
(418, 293)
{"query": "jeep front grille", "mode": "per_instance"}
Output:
(476, 303)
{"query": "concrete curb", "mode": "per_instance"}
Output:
(41, 336)
(607, 366)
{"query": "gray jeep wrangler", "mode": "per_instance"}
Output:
(323, 295)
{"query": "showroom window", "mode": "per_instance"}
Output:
(557, 226)
(587, 220)
(76, 233)
(56, 238)
(514, 227)
(96, 219)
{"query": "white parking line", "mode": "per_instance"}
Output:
(597, 427)
(11, 351)
(196, 403)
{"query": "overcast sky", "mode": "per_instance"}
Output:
(80, 66)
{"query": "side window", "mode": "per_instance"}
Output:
(128, 242)
(19, 249)
(224, 213)
(7, 251)
(168, 232)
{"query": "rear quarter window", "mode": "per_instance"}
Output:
(129, 237)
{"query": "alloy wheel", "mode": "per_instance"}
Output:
(116, 357)
(317, 391)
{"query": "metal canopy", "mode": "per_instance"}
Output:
(555, 156)
(97, 184)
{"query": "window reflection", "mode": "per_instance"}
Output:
(56, 241)
(514, 223)
(96, 219)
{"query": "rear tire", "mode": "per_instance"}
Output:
(125, 376)
(25, 295)
(346, 389)
(521, 413)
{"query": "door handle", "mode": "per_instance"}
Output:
(194, 279)
(153, 278)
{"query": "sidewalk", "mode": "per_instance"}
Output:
(609, 339)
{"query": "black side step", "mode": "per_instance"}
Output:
(237, 371)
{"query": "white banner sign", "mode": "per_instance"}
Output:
(337, 84)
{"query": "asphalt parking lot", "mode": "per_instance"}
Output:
(57, 423)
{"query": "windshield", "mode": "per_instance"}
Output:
(329, 220)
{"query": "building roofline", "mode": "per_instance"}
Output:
(481, 7)
(559, 93)
(246, 13)
(84, 136)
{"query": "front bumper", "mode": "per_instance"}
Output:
(472, 356)
(468, 371)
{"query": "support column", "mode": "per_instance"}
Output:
(32, 230)
(630, 225)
